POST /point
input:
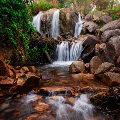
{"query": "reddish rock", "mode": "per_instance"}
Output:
(24, 70)
(41, 107)
(7, 81)
(104, 67)
(77, 67)
(95, 63)
(32, 69)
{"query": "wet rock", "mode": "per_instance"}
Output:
(89, 26)
(95, 63)
(111, 26)
(4, 71)
(7, 81)
(83, 77)
(77, 67)
(108, 34)
(24, 70)
(41, 107)
(89, 48)
(98, 98)
(104, 67)
(32, 69)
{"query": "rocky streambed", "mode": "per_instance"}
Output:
(58, 96)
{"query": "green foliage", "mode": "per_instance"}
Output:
(114, 17)
(15, 29)
(42, 5)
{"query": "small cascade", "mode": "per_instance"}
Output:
(78, 27)
(55, 24)
(66, 52)
(82, 109)
(37, 21)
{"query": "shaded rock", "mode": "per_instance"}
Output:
(104, 67)
(97, 47)
(106, 52)
(89, 48)
(114, 42)
(41, 107)
(4, 71)
(87, 66)
(108, 34)
(89, 26)
(111, 26)
(118, 61)
(95, 63)
(77, 67)
(98, 98)
(89, 17)
(7, 81)
(111, 78)
(105, 19)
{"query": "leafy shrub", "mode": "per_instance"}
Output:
(42, 5)
(15, 27)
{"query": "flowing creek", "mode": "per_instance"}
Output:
(58, 98)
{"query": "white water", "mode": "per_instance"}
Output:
(65, 52)
(81, 110)
(37, 21)
(55, 24)
(78, 27)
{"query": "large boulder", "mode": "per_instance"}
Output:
(111, 78)
(95, 63)
(68, 19)
(89, 27)
(104, 67)
(111, 26)
(105, 19)
(108, 34)
(77, 67)
(106, 52)
(89, 47)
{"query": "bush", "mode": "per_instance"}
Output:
(41, 6)
(15, 27)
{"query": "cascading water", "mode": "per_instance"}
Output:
(37, 21)
(65, 52)
(55, 24)
(78, 27)
(81, 110)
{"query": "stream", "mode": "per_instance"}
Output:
(58, 98)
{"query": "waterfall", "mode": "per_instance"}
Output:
(65, 52)
(78, 27)
(82, 109)
(55, 24)
(37, 21)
